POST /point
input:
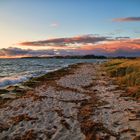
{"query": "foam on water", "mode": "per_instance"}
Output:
(12, 80)
(14, 71)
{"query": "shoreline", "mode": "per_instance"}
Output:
(28, 78)
(78, 102)
(39, 68)
(33, 80)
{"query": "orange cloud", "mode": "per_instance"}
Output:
(81, 45)
(128, 47)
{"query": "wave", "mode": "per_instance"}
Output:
(12, 80)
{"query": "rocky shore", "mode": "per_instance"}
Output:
(76, 103)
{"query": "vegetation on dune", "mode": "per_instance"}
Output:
(127, 74)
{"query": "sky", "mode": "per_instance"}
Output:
(69, 27)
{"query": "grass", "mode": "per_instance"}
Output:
(127, 74)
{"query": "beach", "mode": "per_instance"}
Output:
(79, 102)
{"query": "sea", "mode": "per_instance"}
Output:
(15, 71)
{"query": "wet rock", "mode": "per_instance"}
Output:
(19, 90)
(4, 91)
(11, 88)
(8, 96)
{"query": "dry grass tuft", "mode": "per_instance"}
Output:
(127, 74)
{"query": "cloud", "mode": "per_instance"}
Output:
(18, 52)
(61, 42)
(13, 52)
(79, 45)
(122, 38)
(119, 47)
(54, 25)
(127, 47)
(127, 19)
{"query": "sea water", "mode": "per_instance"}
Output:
(14, 71)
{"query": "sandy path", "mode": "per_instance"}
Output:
(120, 115)
(78, 106)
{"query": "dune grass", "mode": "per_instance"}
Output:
(127, 74)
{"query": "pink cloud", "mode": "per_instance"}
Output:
(87, 44)
(127, 19)
(128, 47)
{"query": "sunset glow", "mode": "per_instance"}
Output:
(44, 28)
